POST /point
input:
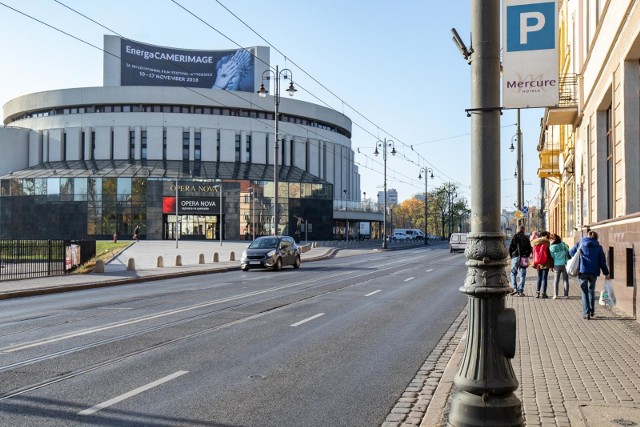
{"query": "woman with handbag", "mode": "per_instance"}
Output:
(519, 252)
(560, 254)
(542, 262)
(592, 260)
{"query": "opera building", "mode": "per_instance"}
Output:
(175, 141)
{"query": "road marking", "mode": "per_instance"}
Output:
(372, 293)
(430, 270)
(410, 278)
(308, 319)
(132, 393)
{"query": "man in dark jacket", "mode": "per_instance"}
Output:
(592, 260)
(520, 247)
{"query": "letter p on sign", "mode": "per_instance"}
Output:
(531, 26)
(536, 19)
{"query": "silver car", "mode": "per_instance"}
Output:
(272, 252)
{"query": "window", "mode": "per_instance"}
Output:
(93, 145)
(185, 146)
(609, 160)
(132, 144)
(197, 146)
(248, 150)
(237, 149)
(143, 145)
(164, 145)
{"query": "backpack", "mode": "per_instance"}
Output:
(540, 255)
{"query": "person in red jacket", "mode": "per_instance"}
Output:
(542, 261)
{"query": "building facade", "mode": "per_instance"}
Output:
(177, 161)
(589, 144)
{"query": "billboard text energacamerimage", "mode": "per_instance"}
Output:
(148, 65)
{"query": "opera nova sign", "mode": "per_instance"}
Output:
(530, 61)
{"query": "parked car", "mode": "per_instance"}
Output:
(272, 252)
(458, 242)
(400, 236)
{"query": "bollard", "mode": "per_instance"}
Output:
(159, 262)
(178, 260)
(99, 266)
(131, 264)
(232, 256)
(201, 259)
(215, 257)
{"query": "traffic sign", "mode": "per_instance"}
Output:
(518, 214)
(525, 210)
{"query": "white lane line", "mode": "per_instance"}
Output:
(307, 320)
(410, 278)
(430, 270)
(372, 293)
(132, 393)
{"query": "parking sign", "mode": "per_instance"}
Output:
(530, 64)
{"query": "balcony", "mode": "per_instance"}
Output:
(550, 166)
(566, 112)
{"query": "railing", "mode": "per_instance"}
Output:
(568, 90)
(23, 259)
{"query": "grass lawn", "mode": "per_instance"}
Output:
(105, 250)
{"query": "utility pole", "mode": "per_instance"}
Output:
(519, 164)
(485, 378)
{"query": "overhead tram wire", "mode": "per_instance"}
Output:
(267, 123)
(307, 74)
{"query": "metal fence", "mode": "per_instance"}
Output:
(23, 259)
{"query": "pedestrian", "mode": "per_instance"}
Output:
(519, 252)
(560, 254)
(542, 261)
(136, 233)
(592, 261)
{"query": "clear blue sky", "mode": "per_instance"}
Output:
(391, 67)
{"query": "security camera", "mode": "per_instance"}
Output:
(457, 40)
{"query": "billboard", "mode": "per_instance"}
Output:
(530, 58)
(192, 205)
(133, 63)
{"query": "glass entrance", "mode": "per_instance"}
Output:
(192, 227)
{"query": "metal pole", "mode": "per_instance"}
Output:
(253, 213)
(220, 225)
(384, 158)
(177, 222)
(276, 145)
(519, 163)
(485, 378)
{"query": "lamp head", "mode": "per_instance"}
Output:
(292, 90)
(375, 152)
(511, 147)
(262, 91)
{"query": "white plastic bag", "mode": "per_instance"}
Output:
(607, 297)
(573, 266)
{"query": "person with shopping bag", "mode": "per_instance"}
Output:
(519, 252)
(560, 254)
(592, 261)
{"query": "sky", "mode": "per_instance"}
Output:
(391, 67)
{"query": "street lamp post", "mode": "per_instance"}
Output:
(428, 173)
(276, 75)
(485, 379)
(253, 210)
(384, 144)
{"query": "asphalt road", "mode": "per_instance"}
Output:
(334, 343)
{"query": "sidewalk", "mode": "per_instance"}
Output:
(571, 371)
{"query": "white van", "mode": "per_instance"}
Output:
(458, 242)
(412, 234)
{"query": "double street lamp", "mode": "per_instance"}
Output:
(384, 144)
(276, 75)
(428, 173)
